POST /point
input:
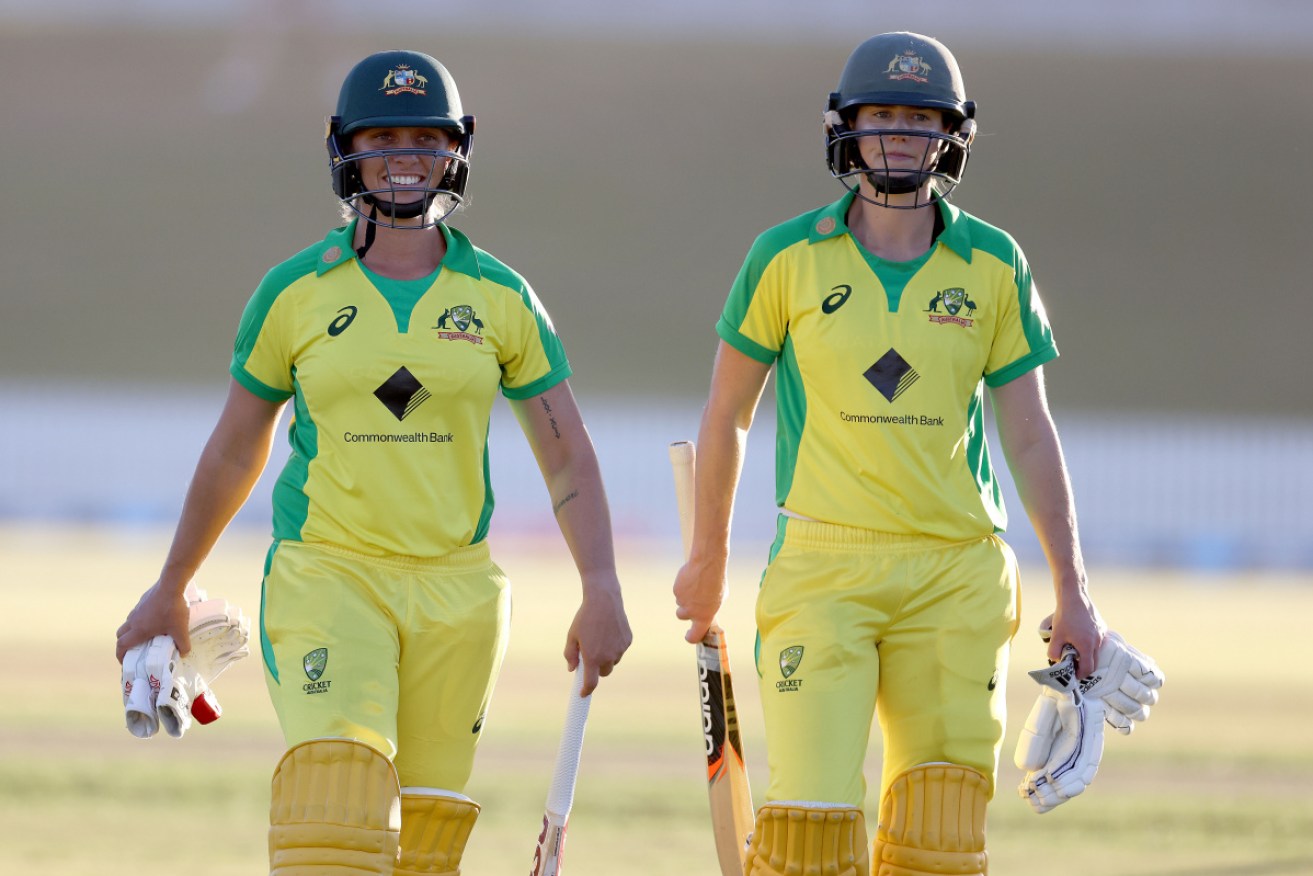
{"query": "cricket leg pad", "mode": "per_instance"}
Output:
(932, 821)
(801, 839)
(435, 825)
(336, 811)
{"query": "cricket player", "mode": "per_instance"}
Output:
(384, 618)
(886, 316)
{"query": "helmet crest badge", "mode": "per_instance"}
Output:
(908, 66)
(404, 80)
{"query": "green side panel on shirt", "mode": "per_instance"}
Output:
(978, 461)
(291, 504)
(485, 515)
(791, 419)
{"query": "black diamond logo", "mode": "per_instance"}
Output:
(402, 393)
(891, 375)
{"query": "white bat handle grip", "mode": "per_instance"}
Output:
(560, 797)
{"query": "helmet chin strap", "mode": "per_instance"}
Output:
(394, 211)
(894, 184)
(885, 182)
(400, 211)
(370, 230)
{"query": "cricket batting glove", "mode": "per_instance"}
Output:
(163, 689)
(1126, 680)
(1062, 742)
(139, 695)
(219, 636)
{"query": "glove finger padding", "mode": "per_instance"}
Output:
(1060, 748)
(138, 698)
(219, 637)
(1126, 680)
(163, 689)
(187, 697)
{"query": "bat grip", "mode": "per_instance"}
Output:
(560, 797)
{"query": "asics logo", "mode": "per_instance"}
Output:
(345, 316)
(836, 298)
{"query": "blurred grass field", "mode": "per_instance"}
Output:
(1220, 781)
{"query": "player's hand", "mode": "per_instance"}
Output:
(1062, 742)
(1124, 678)
(599, 634)
(159, 612)
(699, 592)
(161, 688)
(1079, 626)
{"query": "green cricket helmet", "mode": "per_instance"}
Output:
(399, 89)
(900, 69)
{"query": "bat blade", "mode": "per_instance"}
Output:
(549, 854)
(732, 812)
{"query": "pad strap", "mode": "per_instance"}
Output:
(798, 838)
(336, 811)
(932, 821)
(435, 825)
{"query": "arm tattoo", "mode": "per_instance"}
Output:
(556, 509)
(547, 409)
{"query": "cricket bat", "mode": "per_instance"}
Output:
(550, 852)
(732, 813)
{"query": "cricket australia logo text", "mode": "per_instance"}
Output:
(462, 318)
(790, 660)
(314, 664)
(954, 301)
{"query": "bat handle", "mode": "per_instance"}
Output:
(560, 798)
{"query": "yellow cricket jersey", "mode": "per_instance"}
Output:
(392, 383)
(881, 368)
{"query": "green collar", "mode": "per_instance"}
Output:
(336, 249)
(832, 221)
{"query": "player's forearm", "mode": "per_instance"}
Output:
(722, 440)
(1042, 483)
(224, 477)
(584, 517)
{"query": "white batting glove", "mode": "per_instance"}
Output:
(186, 698)
(1126, 680)
(1062, 742)
(158, 663)
(162, 689)
(219, 635)
(138, 695)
